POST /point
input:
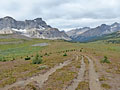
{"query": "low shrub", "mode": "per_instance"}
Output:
(106, 86)
(105, 60)
(46, 54)
(3, 59)
(27, 58)
(0, 58)
(81, 50)
(37, 60)
(64, 54)
(41, 56)
(13, 59)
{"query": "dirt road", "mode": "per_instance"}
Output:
(93, 77)
(94, 83)
(41, 78)
(79, 78)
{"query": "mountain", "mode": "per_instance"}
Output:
(76, 32)
(112, 36)
(97, 32)
(108, 38)
(36, 28)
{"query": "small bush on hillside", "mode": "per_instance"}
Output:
(13, 58)
(80, 50)
(64, 54)
(105, 60)
(27, 58)
(41, 56)
(37, 60)
(67, 50)
(3, 59)
(46, 54)
(0, 58)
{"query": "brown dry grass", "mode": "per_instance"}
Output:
(62, 77)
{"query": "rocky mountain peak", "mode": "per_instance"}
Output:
(97, 31)
(86, 28)
(8, 17)
(103, 25)
(76, 32)
(27, 24)
(38, 19)
(115, 24)
(36, 28)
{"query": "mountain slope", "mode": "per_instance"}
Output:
(113, 37)
(36, 28)
(97, 32)
(76, 32)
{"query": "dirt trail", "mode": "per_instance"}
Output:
(41, 78)
(93, 77)
(79, 78)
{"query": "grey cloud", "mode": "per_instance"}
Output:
(64, 14)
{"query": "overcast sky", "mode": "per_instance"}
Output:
(64, 14)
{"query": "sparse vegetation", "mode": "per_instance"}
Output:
(106, 86)
(102, 78)
(64, 54)
(83, 86)
(42, 67)
(32, 86)
(46, 54)
(62, 77)
(105, 60)
(27, 58)
(37, 60)
(80, 50)
(13, 65)
(3, 59)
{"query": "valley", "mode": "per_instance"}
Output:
(59, 45)
(65, 65)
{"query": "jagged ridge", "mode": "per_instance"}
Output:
(93, 33)
(36, 28)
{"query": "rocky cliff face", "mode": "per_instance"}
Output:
(27, 24)
(36, 28)
(49, 33)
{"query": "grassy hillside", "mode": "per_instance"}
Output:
(114, 36)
